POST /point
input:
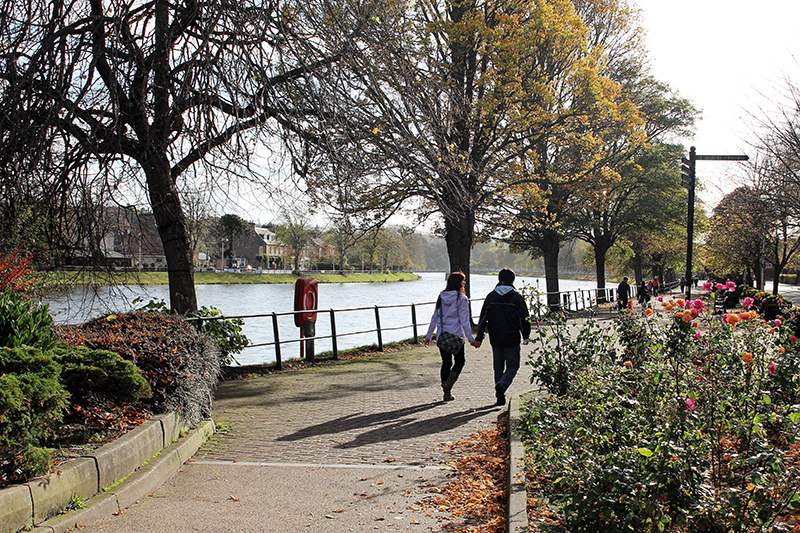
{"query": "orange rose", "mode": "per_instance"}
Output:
(747, 357)
(648, 312)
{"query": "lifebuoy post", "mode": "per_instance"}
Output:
(305, 299)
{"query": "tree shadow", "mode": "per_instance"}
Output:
(267, 391)
(394, 425)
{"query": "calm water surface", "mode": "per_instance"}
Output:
(245, 300)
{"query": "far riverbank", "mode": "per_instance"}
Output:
(226, 278)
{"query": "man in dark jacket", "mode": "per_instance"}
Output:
(623, 293)
(505, 315)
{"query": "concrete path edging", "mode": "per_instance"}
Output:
(517, 519)
(109, 479)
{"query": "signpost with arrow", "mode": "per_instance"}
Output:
(688, 181)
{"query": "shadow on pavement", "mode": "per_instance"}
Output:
(392, 425)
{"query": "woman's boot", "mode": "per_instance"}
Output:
(447, 386)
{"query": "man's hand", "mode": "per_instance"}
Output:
(427, 342)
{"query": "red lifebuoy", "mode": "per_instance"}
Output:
(305, 299)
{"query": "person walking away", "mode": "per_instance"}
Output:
(505, 316)
(655, 285)
(623, 294)
(644, 295)
(683, 285)
(451, 316)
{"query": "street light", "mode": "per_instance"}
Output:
(688, 174)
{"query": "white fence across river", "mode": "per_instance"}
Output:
(354, 304)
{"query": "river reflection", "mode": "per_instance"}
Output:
(260, 299)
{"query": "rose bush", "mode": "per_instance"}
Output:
(687, 423)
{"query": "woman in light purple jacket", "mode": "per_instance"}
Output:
(451, 315)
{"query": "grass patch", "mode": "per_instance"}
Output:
(219, 278)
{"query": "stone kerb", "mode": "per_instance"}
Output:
(52, 493)
(129, 451)
(23, 506)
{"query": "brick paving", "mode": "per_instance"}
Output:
(387, 409)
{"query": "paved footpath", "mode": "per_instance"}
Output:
(349, 447)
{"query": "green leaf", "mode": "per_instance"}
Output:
(646, 452)
(766, 399)
(794, 417)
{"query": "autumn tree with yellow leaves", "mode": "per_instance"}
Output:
(448, 103)
(589, 176)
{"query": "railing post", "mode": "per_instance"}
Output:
(334, 344)
(378, 328)
(276, 335)
(414, 323)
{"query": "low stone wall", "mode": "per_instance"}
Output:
(109, 479)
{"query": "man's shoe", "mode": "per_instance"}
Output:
(500, 394)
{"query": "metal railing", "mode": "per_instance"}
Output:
(570, 301)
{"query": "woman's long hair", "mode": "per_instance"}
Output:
(454, 282)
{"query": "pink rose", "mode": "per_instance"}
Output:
(772, 368)
(707, 286)
(698, 304)
(792, 339)
(720, 286)
(690, 404)
(731, 286)
(748, 302)
(778, 323)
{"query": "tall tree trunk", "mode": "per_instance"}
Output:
(458, 236)
(171, 222)
(776, 277)
(600, 266)
(638, 260)
(551, 244)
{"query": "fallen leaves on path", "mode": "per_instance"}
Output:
(476, 499)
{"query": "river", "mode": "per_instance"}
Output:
(261, 299)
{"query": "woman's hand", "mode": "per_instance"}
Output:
(427, 342)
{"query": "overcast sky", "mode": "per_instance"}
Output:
(722, 55)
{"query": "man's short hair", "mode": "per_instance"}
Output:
(506, 276)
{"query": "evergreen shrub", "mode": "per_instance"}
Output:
(100, 372)
(32, 403)
(23, 322)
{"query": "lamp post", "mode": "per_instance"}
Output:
(688, 175)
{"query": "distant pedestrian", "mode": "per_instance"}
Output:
(655, 285)
(683, 284)
(505, 316)
(623, 294)
(451, 321)
(644, 295)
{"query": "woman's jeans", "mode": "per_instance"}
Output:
(506, 364)
(447, 362)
